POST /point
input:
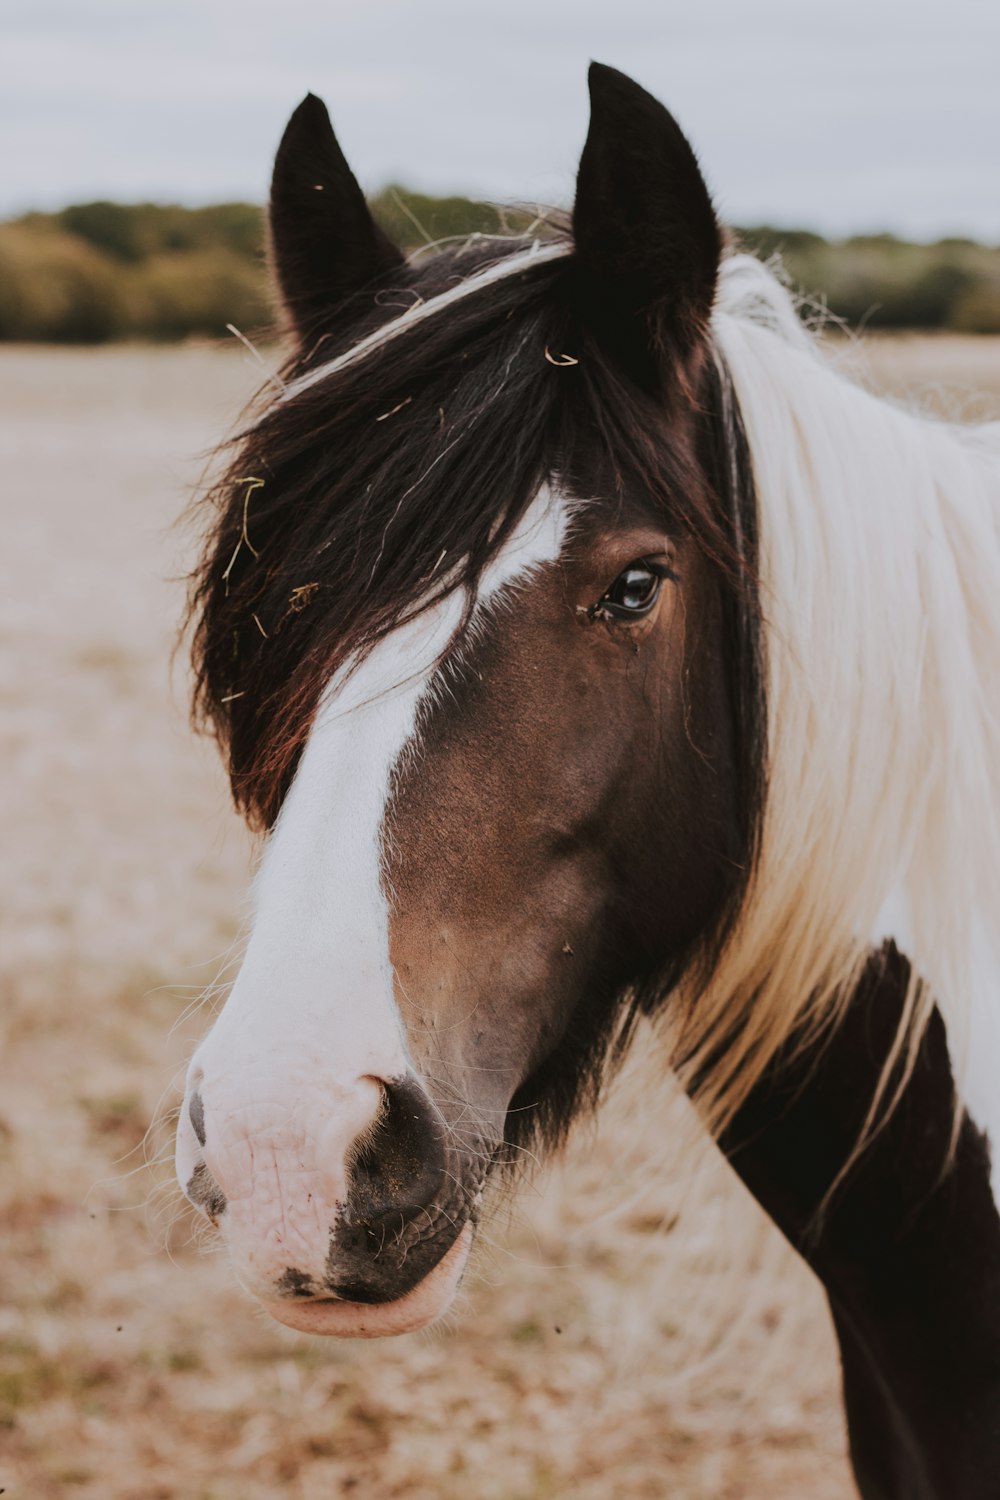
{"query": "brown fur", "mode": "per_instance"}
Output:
(565, 828)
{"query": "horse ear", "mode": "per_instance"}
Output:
(648, 244)
(325, 245)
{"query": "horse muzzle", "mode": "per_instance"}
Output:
(344, 1207)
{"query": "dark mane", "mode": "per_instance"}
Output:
(394, 478)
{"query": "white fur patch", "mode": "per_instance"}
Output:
(285, 1074)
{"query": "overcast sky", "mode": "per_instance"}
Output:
(858, 114)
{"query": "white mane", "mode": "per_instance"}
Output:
(880, 588)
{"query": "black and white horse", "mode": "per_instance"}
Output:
(591, 648)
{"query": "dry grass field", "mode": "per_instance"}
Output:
(632, 1328)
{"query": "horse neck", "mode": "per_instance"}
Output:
(908, 1252)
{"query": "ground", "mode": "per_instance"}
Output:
(633, 1328)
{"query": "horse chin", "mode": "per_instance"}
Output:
(423, 1304)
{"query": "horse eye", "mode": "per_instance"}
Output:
(634, 591)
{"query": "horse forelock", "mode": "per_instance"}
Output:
(394, 472)
(355, 500)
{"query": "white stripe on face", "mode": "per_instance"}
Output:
(287, 1076)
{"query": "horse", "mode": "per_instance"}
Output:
(590, 648)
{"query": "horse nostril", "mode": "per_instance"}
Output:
(399, 1166)
(205, 1193)
(196, 1114)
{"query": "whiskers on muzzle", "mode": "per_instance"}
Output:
(321, 1204)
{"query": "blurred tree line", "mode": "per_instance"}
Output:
(101, 271)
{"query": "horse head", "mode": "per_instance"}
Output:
(476, 627)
